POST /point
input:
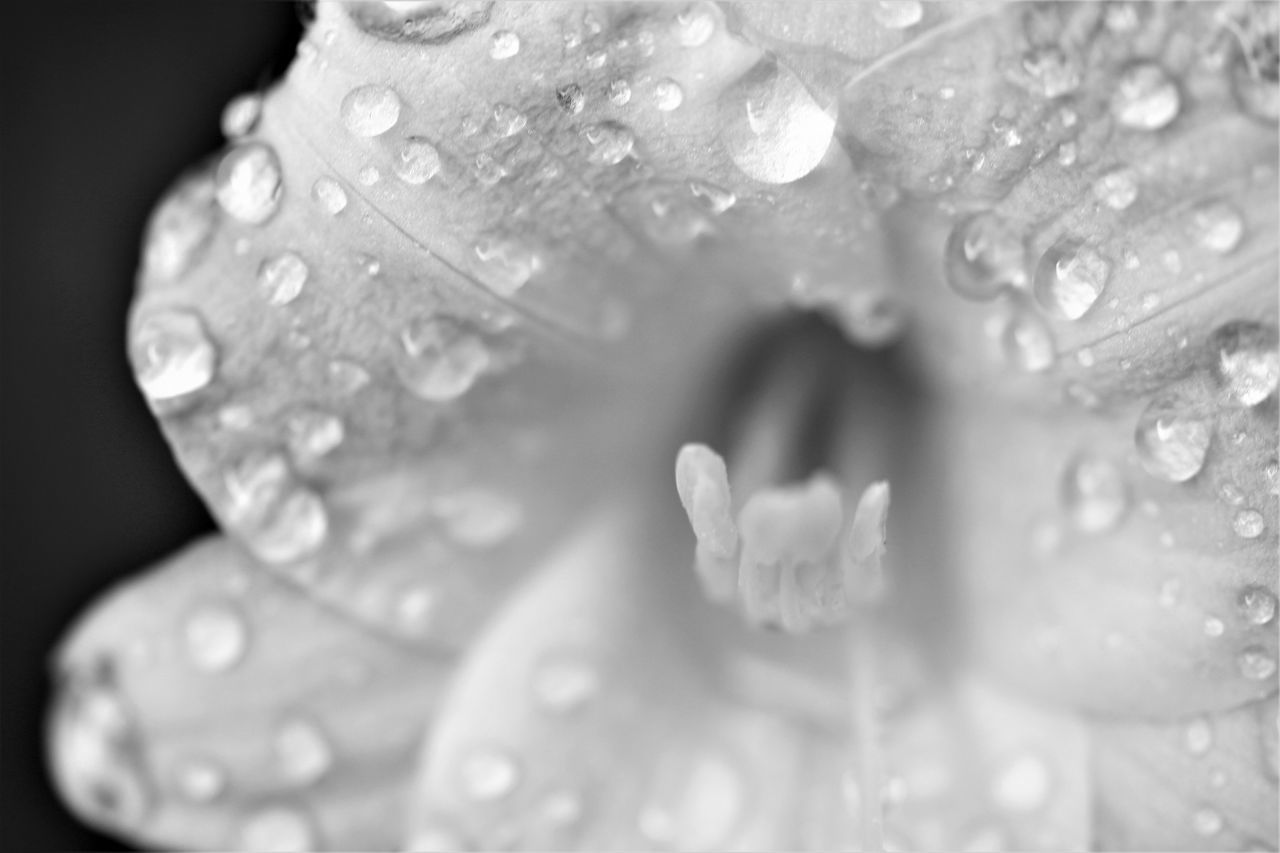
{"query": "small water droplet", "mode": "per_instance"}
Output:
(1067, 153)
(302, 751)
(200, 780)
(1117, 189)
(1218, 226)
(619, 92)
(504, 44)
(216, 637)
(1245, 361)
(368, 175)
(279, 829)
(564, 683)
(1094, 493)
(489, 774)
(241, 114)
(667, 95)
(694, 26)
(313, 434)
(281, 277)
(508, 121)
(172, 355)
(277, 519)
(571, 98)
(1055, 73)
(1214, 627)
(248, 183)
(1027, 343)
(1257, 605)
(508, 264)
(1198, 736)
(717, 199)
(897, 14)
(1249, 524)
(610, 142)
(415, 609)
(346, 377)
(1145, 98)
(442, 359)
(370, 110)
(417, 161)
(1172, 437)
(1256, 663)
(984, 255)
(772, 127)
(1069, 279)
(1206, 822)
(1022, 784)
(330, 195)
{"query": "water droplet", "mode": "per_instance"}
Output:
(1255, 77)
(596, 59)
(1145, 98)
(619, 92)
(694, 26)
(1094, 493)
(172, 355)
(489, 774)
(368, 175)
(241, 114)
(443, 359)
(1067, 153)
(563, 683)
(417, 161)
(1054, 73)
(667, 95)
(1027, 343)
(508, 121)
(415, 608)
(897, 14)
(180, 228)
(983, 256)
(281, 277)
(1069, 279)
(772, 127)
(370, 110)
(216, 637)
(1218, 226)
(1022, 784)
(248, 184)
(1256, 663)
(1257, 605)
(1249, 524)
(346, 377)
(504, 44)
(330, 195)
(313, 434)
(1198, 736)
(1117, 189)
(200, 781)
(571, 98)
(508, 264)
(1172, 437)
(276, 518)
(1206, 822)
(1245, 361)
(610, 142)
(279, 829)
(302, 751)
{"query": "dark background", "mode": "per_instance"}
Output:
(103, 104)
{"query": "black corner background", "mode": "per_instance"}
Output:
(103, 104)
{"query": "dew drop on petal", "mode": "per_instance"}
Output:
(282, 277)
(172, 354)
(278, 829)
(1022, 784)
(507, 264)
(1206, 822)
(667, 95)
(488, 774)
(1245, 361)
(694, 26)
(1214, 627)
(1257, 605)
(1218, 226)
(1055, 73)
(180, 229)
(1249, 524)
(610, 142)
(415, 608)
(1198, 736)
(1172, 438)
(346, 377)
(1094, 493)
(508, 121)
(248, 183)
(717, 199)
(313, 434)
(983, 256)
(619, 92)
(772, 127)
(370, 110)
(563, 683)
(897, 14)
(302, 751)
(200, 780)
(368, 175)
(1145, 97)
(571, 98)
(1027, 343)
(442, 360)
(417, 161)
(240, 115)
(504, 44)
(1069, 279)
(215, 637)
(1256, 663)
(1117, 189)
(330, 195)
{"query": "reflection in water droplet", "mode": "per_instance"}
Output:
(370, 110)
(248, 183)
(1022, 784)
(563, 683)
(216, 637)
(200, 781)
(1172, 437)
(1218, 226)
(1256, 663)
(1145, 98)
(1027, 342)
(1249, 524)
(610, 142)
(504, 44)
(417, 161)
(442, 359)
(489, 774)
(302, 751)
(172, 355)
(1206, 822)
(1094, 493)
(278, 829)
(281, 277)
(1069, 279)
(1198, 736)
(1245, 361)
(772, 127)
(1257, 605)
(330, 195)
(897, 14)
(667, 95)
(1117, 189)
(241, 115)
(983, 256)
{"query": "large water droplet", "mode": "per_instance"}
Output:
(302, 751)
(1245, 361)
(897, 14)
(489, 774)
(370, 110)
(1172, 437)
(1198, 736)
(1117, 189)
(1022, 784)
(1249, 524)
(610, 142)
(1257, 605)
(200, 780)
(1145, 98)
(1218, 226)
(442, 359)
(984, 255)
(417, 161)
(278, 829)
(772, 127)
(504, 44)
(1094, 493)
(313, 434)
(330, 195)
(563, 683)
(248, 184)
(241, 114)
(1069, 279)
(172, 355)
(216, 637)
(1027, 343)
(281, 277)
(1256, 663)
(667, 95)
